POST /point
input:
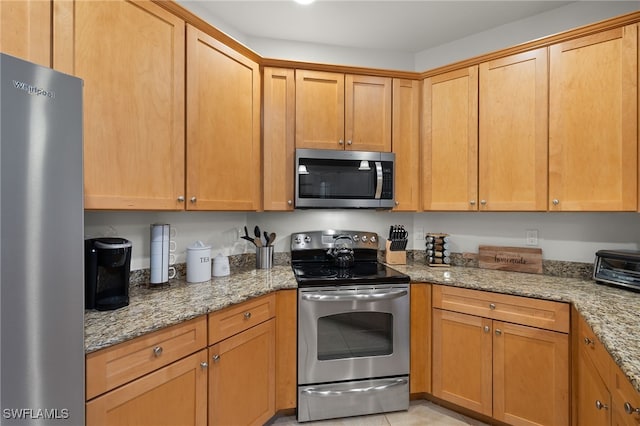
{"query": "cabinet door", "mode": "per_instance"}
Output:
(319, 110)
(242, 379)
(530, 375)
(462, 353)
(223, 126)
(450, 145)
(173, 395)
(25, 30)
(131, 58)
(286, 349)
(406, 143)
(279, 114)
(590, 390)
(367, 113)
(513, 132)
(625, 399)
(420, 368)
(593, 122)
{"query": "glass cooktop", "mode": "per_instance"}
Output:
(327, 274)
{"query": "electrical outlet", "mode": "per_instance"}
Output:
(418, 233)
(532, 237)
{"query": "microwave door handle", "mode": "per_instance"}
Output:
(378, 180)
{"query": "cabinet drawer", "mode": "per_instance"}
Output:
(233, 320)
(591, 347)
(516, 309)
(623, 394)
(119, 364)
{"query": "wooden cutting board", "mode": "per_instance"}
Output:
(518, 259)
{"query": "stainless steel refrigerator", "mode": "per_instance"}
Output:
(41, 246)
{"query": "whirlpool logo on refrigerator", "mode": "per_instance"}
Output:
(34, 90)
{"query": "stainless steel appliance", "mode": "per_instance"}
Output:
(107, 268)
(42, 250)
(353, 326)
(344, 179)
(619, 268)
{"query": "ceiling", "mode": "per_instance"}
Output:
(401, 26)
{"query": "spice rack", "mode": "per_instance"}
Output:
(438, 250)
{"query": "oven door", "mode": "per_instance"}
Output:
(348, 333)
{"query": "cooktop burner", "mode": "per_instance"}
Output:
(314, 264)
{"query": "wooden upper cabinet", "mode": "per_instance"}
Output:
(450, 141)
(319, 110)
(367, 113)
(223, 126)
(593, 137)
(25, 30)
(406, 143)
(279, 112)
(338, 111)
(513, 132)
(131, 58)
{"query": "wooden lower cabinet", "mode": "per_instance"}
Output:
(517, 374)
(242, 377)
(173, 395)
(590, 390)
(286, 349)
(420, 366)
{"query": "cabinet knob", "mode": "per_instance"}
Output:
(472, 202)
(555, 201)
(157, 351)
(483, 202)
(193, 199)
(487, 329)
(348, 142)
(601, 406)
(247, 315)
(289, 202)
(492, 306)
(204, 365)
(397, 203)
(340, 142)
(498, 332)
(628, 408)
(216, 358)
(181, 198)
(588, 341)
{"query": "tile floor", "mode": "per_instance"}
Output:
(420, 413)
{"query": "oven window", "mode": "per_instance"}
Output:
(355, 334)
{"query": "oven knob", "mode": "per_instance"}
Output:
(307, 239)
(372, 239)
(364, 238)
(356, 237)
(298, 240)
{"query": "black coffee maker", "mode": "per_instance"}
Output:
(107, 265)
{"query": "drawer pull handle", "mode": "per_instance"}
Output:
(600, 405)
(247, 315)
(588, 341)
(628, 408)
(498, 332)
(216, 358)
(492, 306)
(204, 365)
(157, 351)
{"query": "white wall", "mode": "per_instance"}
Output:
(554, 21)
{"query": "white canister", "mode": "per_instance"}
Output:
(198, 262)
(221, 266)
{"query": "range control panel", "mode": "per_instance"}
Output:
(331, 238)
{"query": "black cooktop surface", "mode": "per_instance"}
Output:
(328, 274)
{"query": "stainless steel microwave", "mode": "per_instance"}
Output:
(344, 179)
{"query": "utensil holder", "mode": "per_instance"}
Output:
(264, 257)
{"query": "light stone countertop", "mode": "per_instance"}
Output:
(613, 314)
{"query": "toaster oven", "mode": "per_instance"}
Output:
(620, 268)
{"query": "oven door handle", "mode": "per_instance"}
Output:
(349, 297)
(339, 392)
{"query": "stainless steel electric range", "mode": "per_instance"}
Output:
(353, 326)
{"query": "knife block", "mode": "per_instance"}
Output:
(395, 257)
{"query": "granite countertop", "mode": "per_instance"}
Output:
(613, 314)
